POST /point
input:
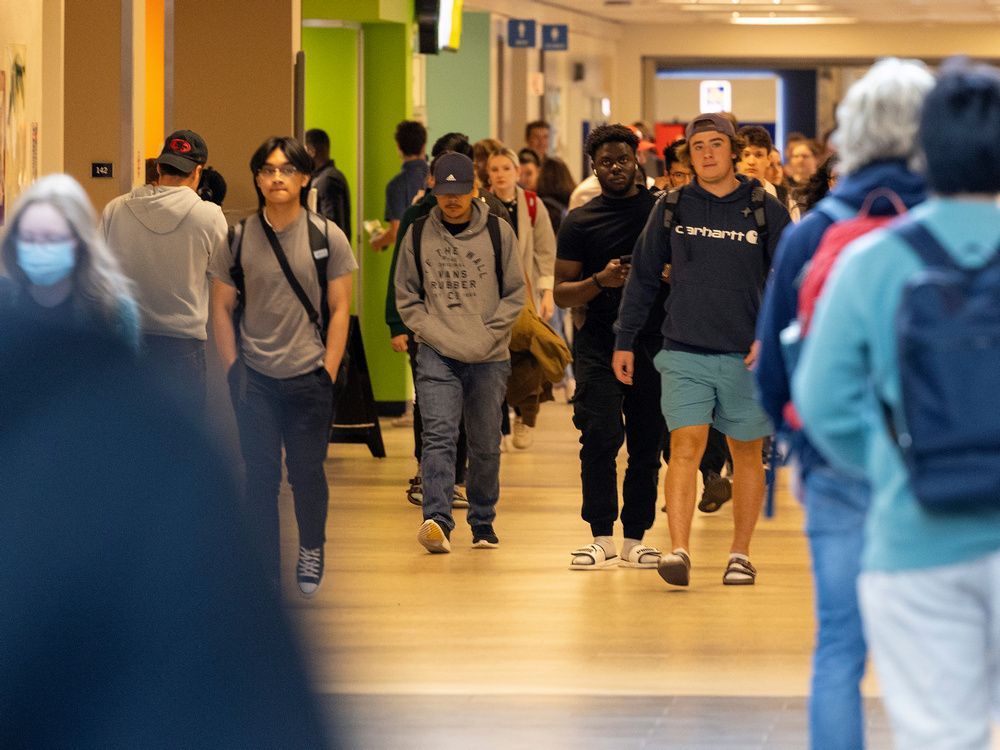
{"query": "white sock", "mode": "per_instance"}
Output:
(739, 556)
(628, 544)
(608, 543)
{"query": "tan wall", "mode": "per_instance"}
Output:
(848, 43)
(93, 104)
(233, 82)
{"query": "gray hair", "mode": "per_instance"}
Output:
(879, 117)
(100, 289)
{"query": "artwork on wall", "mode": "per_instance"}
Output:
(17, 137)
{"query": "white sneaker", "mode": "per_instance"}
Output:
(434, 537)
(524, 436)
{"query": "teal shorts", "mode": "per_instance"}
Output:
(715, 389)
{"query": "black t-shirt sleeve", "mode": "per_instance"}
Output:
(568, 242)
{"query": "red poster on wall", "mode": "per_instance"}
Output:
(667, 133)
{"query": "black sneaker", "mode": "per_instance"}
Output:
(484, 537)
(718, 490)
(309, 571)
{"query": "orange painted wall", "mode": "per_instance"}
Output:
(154, 78)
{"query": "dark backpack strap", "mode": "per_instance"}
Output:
(415, 233)
(319, 246)
(236, 270)
(924, 244)
(670, 200)
(493, 227)
(286, 269)
(757, 198)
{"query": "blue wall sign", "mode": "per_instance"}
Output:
(521, 33)
(555, 37)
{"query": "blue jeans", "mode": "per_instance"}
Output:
(446, 387)
(836, 505)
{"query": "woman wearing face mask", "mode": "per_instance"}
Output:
(61, 273)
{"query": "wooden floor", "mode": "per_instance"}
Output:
(393, 623)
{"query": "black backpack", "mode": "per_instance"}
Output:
(492, 225)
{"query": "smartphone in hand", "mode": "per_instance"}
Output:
(625, 259)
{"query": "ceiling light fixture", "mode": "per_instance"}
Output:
(775, 20)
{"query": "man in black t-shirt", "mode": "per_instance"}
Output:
(592, 263)
(333, 196)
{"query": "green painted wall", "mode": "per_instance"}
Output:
(399, 11)
(458, 91)
(332, 98)
(332, 103)
(388, 71)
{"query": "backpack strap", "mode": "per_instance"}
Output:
(835, 209)
(670, 200)
(415, 234)
(924, 244)
(531, 198)
(492, 226)
(286, 269)
(236, 270)
(757, 198)
(319, 245)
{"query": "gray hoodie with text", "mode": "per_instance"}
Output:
(462, 315)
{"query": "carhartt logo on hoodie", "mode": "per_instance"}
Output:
(718, 234)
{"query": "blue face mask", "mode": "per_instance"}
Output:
(46, 263)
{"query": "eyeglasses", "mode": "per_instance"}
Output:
(270, 170)
(680, 175)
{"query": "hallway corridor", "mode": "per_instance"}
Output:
(507, 648)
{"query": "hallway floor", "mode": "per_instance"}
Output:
(508, 648)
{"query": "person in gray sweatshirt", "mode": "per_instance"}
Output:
(164, 236)
(459, 289)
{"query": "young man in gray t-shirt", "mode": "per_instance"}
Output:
(281, 368)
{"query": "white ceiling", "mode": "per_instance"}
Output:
(782, 12)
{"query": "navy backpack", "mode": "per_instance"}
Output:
(948, 345)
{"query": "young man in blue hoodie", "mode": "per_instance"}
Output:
(930, 581)
(876, 137)
(719, 239)
(460, 300)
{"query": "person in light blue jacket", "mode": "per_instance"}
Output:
(876, 138)
(930, 583)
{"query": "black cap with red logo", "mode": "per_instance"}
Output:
(183, 150)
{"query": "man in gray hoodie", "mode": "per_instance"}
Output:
(164, 236)
(459, 288)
